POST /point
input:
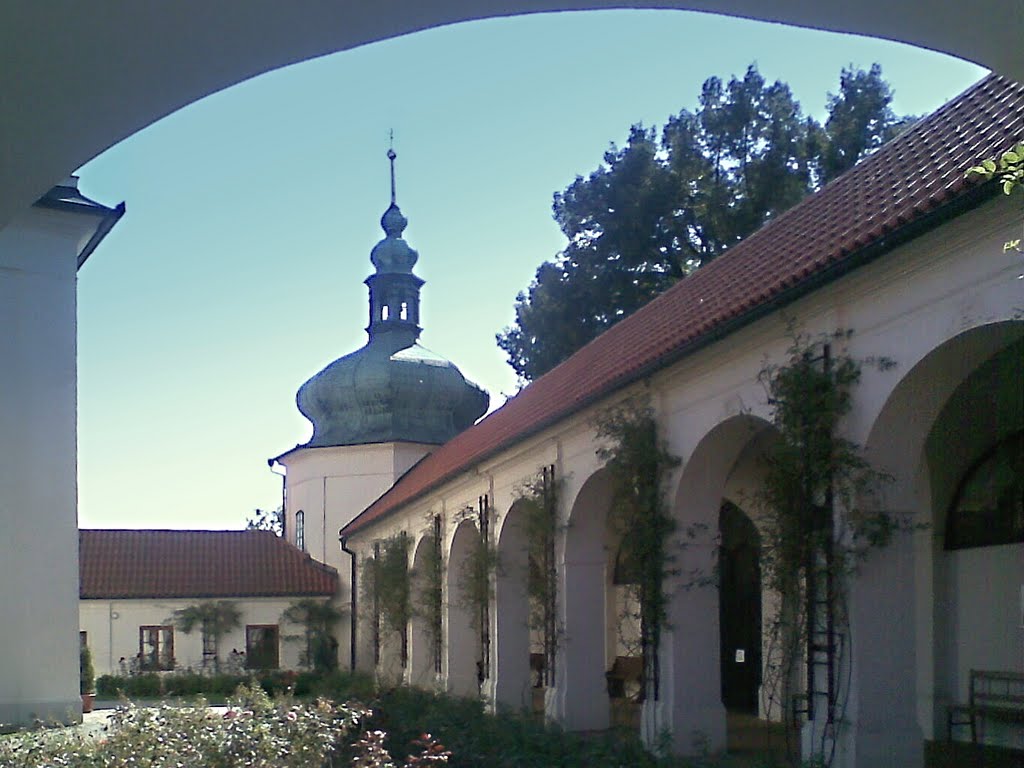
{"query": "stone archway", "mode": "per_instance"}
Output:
(513, 684)
(584, 655)
(425, 629)
(462, 648)
(692, 674)
(739, 610)
(955, 403)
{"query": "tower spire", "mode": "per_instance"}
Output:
(391, 157)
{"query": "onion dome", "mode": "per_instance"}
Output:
(393, 389)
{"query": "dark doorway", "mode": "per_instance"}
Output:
(739, 610)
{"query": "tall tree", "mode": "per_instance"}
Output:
(267, 520)
(860, 120)
(660, 206)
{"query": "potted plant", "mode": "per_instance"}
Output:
(86, 679)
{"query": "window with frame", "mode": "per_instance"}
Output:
(262, 646)
(988, 508)
(300, 530)
(156, 647)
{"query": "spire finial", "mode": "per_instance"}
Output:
(391, 157)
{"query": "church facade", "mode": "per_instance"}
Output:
(916, 261)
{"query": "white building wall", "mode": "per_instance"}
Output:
(38, 493)
(113, 630)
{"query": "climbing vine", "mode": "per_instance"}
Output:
(386, 587)
(476, 580)
(537, 500)
(815, 526)
(429, 578)
(638, 463)
(476, 574)
(1009, 167)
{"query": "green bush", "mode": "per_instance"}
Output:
(145, 686)
(86, 675)
(477, 739)
(342, 686)
(109, 686)
(254, 732)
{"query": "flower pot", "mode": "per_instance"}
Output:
(87, 701)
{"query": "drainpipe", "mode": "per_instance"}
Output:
(354, 613)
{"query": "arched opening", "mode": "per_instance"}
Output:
(514, 686)
(716, 646)
(427, 596)
(947, 435)
(975, 457)
(739, 610)
(464, 652)
(588, 651)
(625, 673)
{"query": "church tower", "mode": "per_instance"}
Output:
(375, 412)
(392, 390)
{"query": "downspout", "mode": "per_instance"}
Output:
(343, 539)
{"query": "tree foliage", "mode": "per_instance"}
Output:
(267, 520)
(1008, 168)
(662, 205)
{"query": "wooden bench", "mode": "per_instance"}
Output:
(994, 696)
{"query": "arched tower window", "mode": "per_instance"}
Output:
(988, 508)
(300, 530)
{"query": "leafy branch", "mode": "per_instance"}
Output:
(1009, 168)
(638, 463)
(814, 519)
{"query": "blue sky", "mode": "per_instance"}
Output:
(237, 271)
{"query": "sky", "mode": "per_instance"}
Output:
(237, 272)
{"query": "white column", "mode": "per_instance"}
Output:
(883, 688)
(582, 656)
(38, 484)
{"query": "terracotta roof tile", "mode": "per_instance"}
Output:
(905, 181)
(206, 564)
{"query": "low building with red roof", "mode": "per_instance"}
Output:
(133, 581)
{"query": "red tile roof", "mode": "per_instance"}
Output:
(911, 183)
(197, 564)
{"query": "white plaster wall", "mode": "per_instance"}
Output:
(988, 612)
(333, 485)
(113, 630)
(38, 493)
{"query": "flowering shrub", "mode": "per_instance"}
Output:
(255, 732)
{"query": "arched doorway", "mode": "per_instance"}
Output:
(427, 598)
(513, 686)
(464, 651)
(739, 610)
(588, 649)
(956, 407)
(975, 457)
(709, 625)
